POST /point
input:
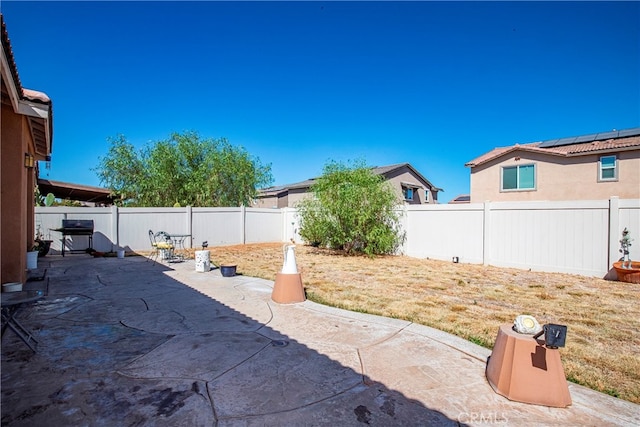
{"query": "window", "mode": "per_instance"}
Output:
(407, 193)
(522, 177)
(608, 169)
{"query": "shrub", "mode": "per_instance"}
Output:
(351, 209)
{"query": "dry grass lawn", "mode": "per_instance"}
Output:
(472, 301)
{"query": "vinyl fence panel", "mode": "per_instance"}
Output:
(217, 226)
(567, 237)
(445, 231)
(580, 237)
(263, 225)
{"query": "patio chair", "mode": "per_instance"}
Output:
(159, 245)
(165, 245)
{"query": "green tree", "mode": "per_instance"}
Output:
(184, 170)
(352, 209)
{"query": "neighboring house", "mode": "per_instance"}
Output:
(26, 134)
(588, 167)
(410, 185)
(462, 198)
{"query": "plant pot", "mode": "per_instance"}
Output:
(12, 287)
(44, 246)
(628, 275)
(32, 260)
(121, 253)
(228, 270)
(203, 263)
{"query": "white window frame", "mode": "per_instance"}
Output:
(405, 190)
(601, 169)
(517, 167)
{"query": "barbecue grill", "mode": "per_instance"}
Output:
(76, 227)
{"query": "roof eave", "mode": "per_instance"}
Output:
(512, 150)
(38, 108)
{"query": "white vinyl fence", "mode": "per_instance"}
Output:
(580, 237)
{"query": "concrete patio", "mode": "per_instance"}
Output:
(124, 342)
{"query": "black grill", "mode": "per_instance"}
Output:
(76, 227)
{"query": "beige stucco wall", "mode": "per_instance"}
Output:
(272, 202)
(558, 178)
(295, 195)
(266, 202)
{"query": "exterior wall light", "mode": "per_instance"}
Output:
(29, 161)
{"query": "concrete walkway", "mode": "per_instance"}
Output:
(124, 342)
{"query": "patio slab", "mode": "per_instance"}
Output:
(129, 342)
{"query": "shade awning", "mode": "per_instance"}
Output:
(411, 184)
(81, 193)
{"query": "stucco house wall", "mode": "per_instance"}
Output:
(587, 167)
(558, 178)
(270, 201)
(15, 181)
(26, 134)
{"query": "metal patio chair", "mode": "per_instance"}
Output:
(160, 243)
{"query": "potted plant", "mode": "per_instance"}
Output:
(627, 270)
(41, 245)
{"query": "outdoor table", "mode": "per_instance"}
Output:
(12, 302)
(178, 243)
(178, 240)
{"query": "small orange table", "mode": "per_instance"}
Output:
(521, 368)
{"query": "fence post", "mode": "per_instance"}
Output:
(486, 234)
(115, 221)
(614, 228)
(189, 221)
(243, 224)
(404, 226)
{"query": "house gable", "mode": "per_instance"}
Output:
(401, 176)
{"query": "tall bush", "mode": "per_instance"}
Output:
(183, 170)
(351, 209)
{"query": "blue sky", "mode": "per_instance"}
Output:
(435, 84)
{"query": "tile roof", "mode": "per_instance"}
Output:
(31, 95)
(462, 198)
(583, 148)
(36, 96)
(8, 52)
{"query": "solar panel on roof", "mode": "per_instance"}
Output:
(629, 132)
(589, 138)
(566, 141)
(585, 138)
(607, 135)
(548, 143)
